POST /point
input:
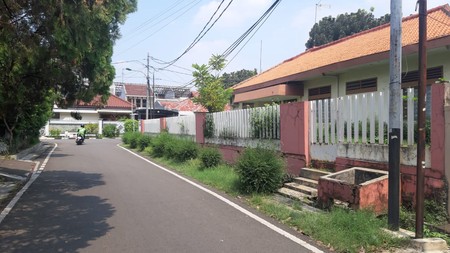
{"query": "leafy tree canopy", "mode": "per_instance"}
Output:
(212, 93)
(331, 29)
(54, 50)
(236, 77)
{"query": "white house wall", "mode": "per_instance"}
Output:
(65, 116)
(379, 70)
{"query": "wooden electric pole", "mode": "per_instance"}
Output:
(420, 191)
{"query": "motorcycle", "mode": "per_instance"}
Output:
(79, 140)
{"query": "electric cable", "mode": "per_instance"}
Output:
(271, 10)
(164, 26)
(201, 34)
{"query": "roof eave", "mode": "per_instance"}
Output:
(406, 50)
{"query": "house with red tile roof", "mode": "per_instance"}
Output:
(137, 93)
(94, 112)
(351, 65)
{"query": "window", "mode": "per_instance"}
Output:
(138, 103)
(361, 86)
(411, 79)
(320, 93)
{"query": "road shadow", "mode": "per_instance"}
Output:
(51, 217)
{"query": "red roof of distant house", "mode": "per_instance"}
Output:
(114, 102)
(137, 90)
(186, 105)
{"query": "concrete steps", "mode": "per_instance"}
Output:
(304, 187)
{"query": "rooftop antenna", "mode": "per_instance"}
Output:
(318, 5)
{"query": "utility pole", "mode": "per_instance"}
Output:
(153, 95)
(395, 96)
(420, 192)
(148, 85)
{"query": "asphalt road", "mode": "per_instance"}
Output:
(98, 197)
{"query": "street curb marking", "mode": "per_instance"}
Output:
(33, 177)
(242, 210)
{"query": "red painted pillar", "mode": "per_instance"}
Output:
(437, 148)
(200, 119)
(162, 124)
(142, 126)
(294, 137)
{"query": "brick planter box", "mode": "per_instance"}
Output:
(360, 187)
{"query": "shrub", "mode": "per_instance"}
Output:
(210, 157)
(144, 141)
(260, 170)
(131, 125)
(183, 150)
(55, 132)
(134, 139)
(159, 144)
(92, 129)
(126, 137)
(109, 131)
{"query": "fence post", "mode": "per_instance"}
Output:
(162, 124)
(294, 137)
(447, 137)
(100, 126)
(200, 118)
(437, 131)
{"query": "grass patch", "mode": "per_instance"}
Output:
(221, 177)
(341, 230)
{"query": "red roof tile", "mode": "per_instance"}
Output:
(114, 102)
(186, 105)
(137, 90)
(370, 42)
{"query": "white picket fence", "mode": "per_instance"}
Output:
(152, 126)
(181, 125)
(253, 123)
(360, 118)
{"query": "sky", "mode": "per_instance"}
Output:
(164, 30)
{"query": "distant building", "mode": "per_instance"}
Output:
(94, 112)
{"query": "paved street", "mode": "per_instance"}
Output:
(100, 198)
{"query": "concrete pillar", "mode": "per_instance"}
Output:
(100, 126)
(47, 129)
(162, 124)
(437, 148)
(294, 137)
(200, 119)
(447, 139)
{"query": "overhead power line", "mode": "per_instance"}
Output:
(259, 22)
(257, 25)
(202, 33)
(186, 8)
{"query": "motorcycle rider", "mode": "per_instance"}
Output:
(81, 131)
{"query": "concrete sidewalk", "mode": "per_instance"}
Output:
(16, 169)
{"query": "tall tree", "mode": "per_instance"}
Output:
(331, 29)
(212, 94)
(54, 50)
(236, 77)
